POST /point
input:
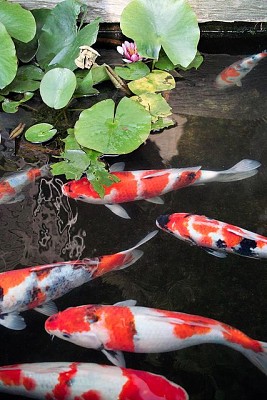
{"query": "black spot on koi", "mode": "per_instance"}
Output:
(246, 247)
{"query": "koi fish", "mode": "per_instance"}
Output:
(216, 237)
(11, 187)
(86, 381)
(124, 327)
(233, 74)
(36, 287)
(150, 184)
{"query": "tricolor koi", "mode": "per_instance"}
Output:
(150, 184)
(233, 74)
(37, 287)
(216, 237)
(125, 327)
(86, 381)
(12, 186)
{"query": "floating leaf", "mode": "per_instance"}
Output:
(27, 79)
(2, 98)
(198, 60)
(162, 123)
(57, 87)
(8, 59)
(58, 31)
(19, 22)
(171, 24)
(101, 129)
(133, 71)
(11, 107)
(40, 133)
(155, 104)
(99, 74)
(156, 81)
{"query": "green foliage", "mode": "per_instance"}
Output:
(156, 81)
(170, 24)
(102, 129)
(164, 30)
(8, 59)
(78, 161)
(19, 23)
(11, 107)
(57, 87)
(133, 71)
(40, 133)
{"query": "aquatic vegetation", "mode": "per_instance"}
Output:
(58, 46)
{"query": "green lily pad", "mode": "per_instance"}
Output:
(85, 85)
(155, 104)
(162, 123)
(171, 24)
(133, 71)
(19, 22)
(57, 87)
(40, 133)
(10, 106)
(102, 129)
(8, 59)
(156, 81)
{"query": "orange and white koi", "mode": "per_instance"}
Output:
(11, 187)
(36, 287)
(216, 237)
(233, 74)
(150, 184)
(86, 381)
(125, 327)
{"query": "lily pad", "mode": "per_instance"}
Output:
(171, 24)
(40, 133)
(8, 59)
(156, 81)
(133, 71)
(10, 106)
(102, 129)
(57, 87)
(162, 123)
(155, 104)
(19, 22)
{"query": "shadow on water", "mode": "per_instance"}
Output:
(216, 130)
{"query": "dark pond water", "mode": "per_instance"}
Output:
(215, 130)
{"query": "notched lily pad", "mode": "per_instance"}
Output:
(40, 133)
(133, 71)
(10, 106)
(156, 81)
(103, 129)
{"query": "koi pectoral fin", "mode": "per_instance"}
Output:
(215, 253)
(16, 199)
(118, 210)
(12, 321)
(156, 200)
(48, 308)
(115, 357)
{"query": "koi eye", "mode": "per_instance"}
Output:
(66, 335)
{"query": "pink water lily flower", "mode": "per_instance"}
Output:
(129, 50)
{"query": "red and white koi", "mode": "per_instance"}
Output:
(150, 184)
(36, 287)
(233, 74)
(86, 381)
(216, 237)
(11, 187)
(124, 327)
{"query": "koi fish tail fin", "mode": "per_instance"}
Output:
(259, 359)
(242, 170)
(132, 255)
